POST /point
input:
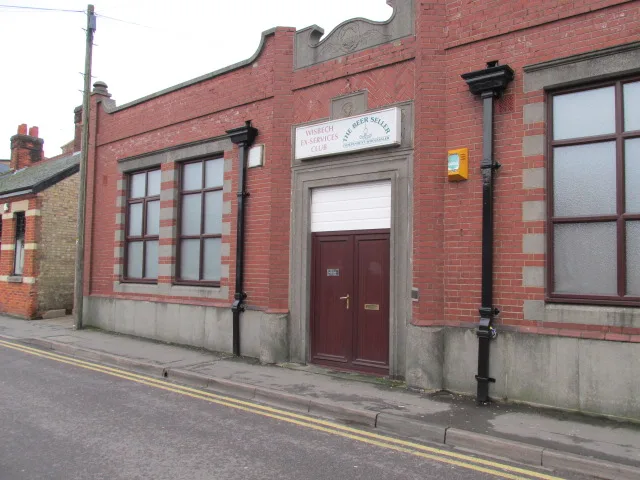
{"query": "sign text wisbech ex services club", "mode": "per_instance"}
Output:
(372, 130)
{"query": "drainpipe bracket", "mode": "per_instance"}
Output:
(237, 306)
(489, 164)
(485, 379)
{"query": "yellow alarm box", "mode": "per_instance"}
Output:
(458, 164)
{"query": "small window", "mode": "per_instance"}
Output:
(18, 261)
(201, 221)
(143, 226)
(594, 203)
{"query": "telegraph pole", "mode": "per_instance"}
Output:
(84, 156)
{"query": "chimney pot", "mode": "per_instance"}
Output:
(33, 132)
(22, 129)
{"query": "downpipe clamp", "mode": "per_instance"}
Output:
(238, 305)
(485, 329)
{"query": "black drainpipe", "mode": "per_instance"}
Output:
(489, 85)
(243, 137)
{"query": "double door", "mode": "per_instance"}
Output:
(350, 300)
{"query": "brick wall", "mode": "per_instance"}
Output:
(18, 294)
(571, 28)
(203, 111)
(452, 37)
(57, 245)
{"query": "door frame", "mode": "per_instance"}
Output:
(388, 163)
(314, 286)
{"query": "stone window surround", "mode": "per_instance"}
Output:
(179, 154)
(15, 207)
(609, 63)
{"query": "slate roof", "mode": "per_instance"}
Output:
(38, 177)
(4, 168)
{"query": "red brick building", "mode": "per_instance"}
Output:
(356, 251)
(38, 197)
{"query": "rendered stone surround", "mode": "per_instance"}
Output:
(596, 65)
(349, 105)
(387, 163)
(201, 149)
(353, 35)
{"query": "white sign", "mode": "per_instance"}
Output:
(371, 130)
(256, 156)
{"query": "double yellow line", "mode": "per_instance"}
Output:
(382, 441)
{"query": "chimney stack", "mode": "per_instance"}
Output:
(26, 149)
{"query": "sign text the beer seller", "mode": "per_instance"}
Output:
(371, 130)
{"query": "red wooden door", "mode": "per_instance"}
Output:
(350, 300)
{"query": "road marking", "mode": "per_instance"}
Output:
(383, 441)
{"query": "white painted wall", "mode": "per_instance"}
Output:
(360, 206)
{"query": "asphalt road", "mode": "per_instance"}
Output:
(62, 421)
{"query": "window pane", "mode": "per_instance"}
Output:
(192, 176)
(151, 260)
(135, 219)
(153, 218)
(153, 183)
(191, 214)
(632, 175)
(134, 260)
(631, 97)
(18, 260)
(212, 259)
(137, 187)
(213, 212)
(633, 258)
(584, 180)
(585, 258)
(214, 173)
(190, 260)
(583, 114)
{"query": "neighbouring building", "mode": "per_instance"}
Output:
(375, 231)
(38, 200)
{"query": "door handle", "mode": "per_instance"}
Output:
(347, 299)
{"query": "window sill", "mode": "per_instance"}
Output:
(601, 315)
(15, 279)
(138, 281)
(180, 283)
(595, 301)
(201, 291)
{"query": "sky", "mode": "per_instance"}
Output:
(152, 45)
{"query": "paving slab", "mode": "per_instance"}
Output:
(61, 330)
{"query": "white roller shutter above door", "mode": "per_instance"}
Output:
(359, 206)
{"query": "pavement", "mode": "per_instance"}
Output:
(595, 446)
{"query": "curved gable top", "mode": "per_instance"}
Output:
(353, 35)
(109, 105)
